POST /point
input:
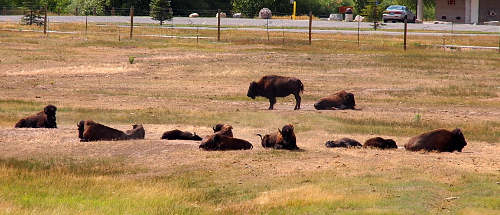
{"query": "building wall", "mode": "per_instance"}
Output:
(451, 13)
(485, 6)
(458, 13)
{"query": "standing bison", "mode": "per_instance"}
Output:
(43, 119)
(272, 86)
(381, 143)
(439, 140)
(340, 100)
(283, 139)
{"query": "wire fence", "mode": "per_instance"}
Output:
(222, 27)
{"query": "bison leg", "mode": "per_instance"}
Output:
(272, 101)
(297, 101)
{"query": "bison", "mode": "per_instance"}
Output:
(439, 140)
(272, 86)
(222, 142)
(81, 129)
(137, 132)
(207, 141)
(219, 127)
(344, 142)
(340, 100)
(283, 139)
(94, 131)
(177, 134)
(381, 143)
(43, 119)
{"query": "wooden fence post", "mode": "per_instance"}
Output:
(310, 25)
(406, 30)
(45, 19)
(218, 25)
(131, 20)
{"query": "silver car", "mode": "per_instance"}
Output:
(398, 13)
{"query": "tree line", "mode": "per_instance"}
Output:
(249, 8)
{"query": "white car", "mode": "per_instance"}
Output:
(398, 13)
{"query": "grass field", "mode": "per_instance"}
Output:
(189, 85)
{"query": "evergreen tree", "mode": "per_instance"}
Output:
(160, 10)
(373, 13)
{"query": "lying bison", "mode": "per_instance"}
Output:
(227, 131)
(439, 140)
(137, 132)
(272, 86)
(283, 139)
(222, 142)
(340, 100)
(381, 143)
(93, 131)
(207, 141)
(177, 134)
(344, 143)
(43, 119)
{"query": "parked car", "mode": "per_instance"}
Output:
(398, 13)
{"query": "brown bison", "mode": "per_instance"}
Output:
(177, 134)
(340, 100)
(137, 132)
(439, 140)
(94, 131)
(381, 143)
(43, 119)
(207, 141)
(227, 131)
(344, 142)
(283, 139)
(222, 142)
(272, 86)
(81, 129)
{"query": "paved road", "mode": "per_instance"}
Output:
(283, 23)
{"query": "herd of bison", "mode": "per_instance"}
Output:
(270, 87)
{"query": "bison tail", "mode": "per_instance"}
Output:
(260, 136)
(301, 86)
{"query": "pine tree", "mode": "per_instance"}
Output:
(373, 12)
(160, 10)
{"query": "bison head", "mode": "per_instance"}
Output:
(287, 133)
(349, 101)
(253, 90)
(50, 113)
(390, 144)
(217, 127)
(81, 128)
(458, 140)
(196, 137)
